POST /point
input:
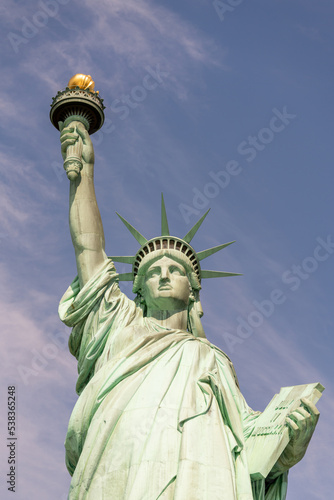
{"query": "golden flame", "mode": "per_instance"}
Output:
(82, 81)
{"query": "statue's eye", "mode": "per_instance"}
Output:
(153, 272)
(176, 270)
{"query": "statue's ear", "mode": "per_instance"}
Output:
(198, 304)
(191, 296)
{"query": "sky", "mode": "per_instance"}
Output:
(238, 118)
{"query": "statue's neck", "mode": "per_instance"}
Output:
(175, 320)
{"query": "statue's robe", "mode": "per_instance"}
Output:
(160, 414)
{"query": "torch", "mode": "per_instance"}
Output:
(78, 103)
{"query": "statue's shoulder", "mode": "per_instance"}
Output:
(221, 353)
(227, 361)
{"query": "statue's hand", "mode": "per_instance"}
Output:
(71, 134)
(301, 423)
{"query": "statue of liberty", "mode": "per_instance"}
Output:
(160, 414)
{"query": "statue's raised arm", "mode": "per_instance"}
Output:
(77, 112)
(84, 215)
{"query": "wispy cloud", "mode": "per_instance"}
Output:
(131, 35)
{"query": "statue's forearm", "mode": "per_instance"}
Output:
(86, 225)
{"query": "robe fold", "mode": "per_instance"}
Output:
(159, 414)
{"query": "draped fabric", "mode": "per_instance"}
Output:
(159, 415)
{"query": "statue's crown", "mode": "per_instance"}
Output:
(150, 248)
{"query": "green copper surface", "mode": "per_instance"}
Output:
(189, 236)
(139, 237)
(210, 251)
(164, 221)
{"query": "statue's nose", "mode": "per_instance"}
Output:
(164, 276)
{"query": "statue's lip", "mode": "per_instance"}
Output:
(164, 287)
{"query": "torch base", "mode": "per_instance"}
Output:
(86, 105)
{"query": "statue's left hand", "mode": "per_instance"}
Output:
(301, 423)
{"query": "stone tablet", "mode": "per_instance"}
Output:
(271, 435)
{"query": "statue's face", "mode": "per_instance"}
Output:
(166, 286)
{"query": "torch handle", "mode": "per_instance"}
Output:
(73, 160)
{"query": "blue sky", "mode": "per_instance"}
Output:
(240, 120)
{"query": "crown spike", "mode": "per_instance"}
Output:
(124, 258)
(125, 277)
(217, 274)
(139, 237)
(206, 253)
(164, 221)
(189, 236)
